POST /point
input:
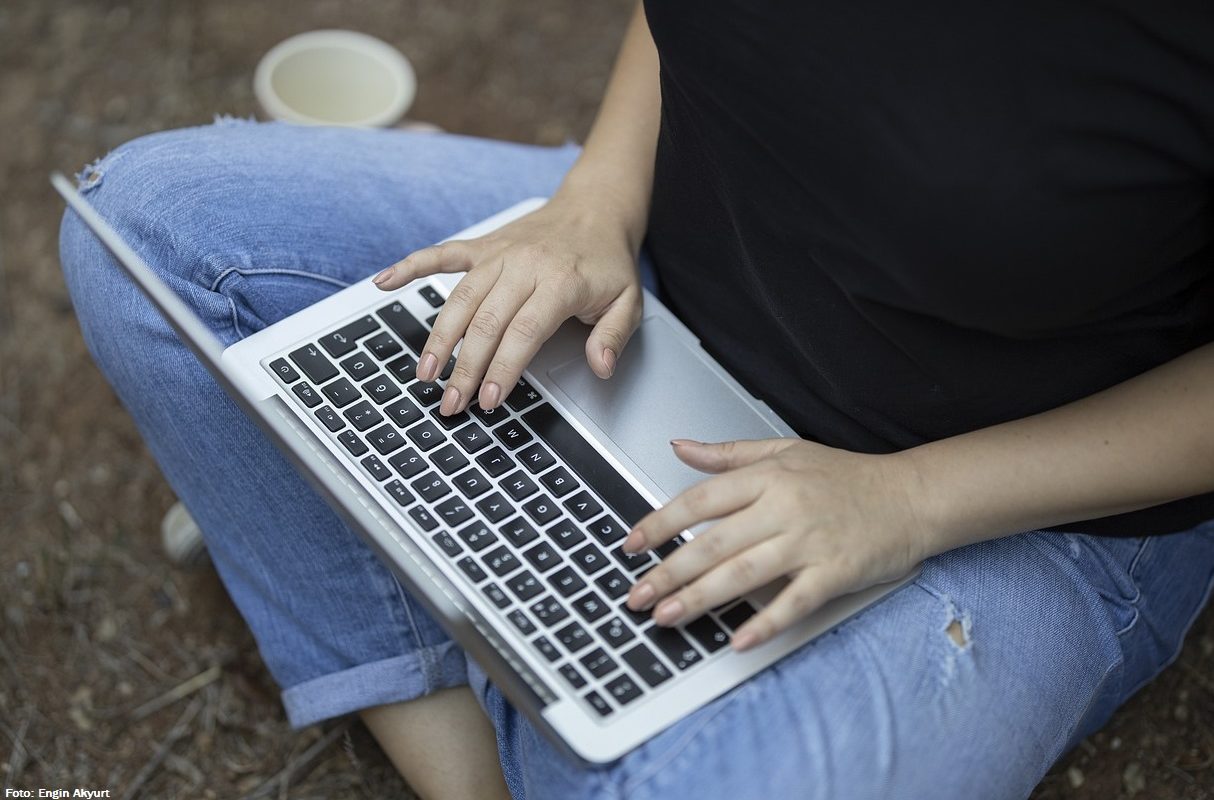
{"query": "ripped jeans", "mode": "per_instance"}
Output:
(968, 683)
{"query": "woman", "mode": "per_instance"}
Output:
(966, 252)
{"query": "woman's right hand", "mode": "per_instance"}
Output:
(573, 257)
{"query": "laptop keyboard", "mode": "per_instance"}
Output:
(527, 510)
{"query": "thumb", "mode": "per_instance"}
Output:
(722, 456)
(612, 332)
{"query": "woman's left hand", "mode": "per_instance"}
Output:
(831, 520)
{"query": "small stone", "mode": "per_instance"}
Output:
(1181, 713)
(1207, 645)
(1074, 776)
(1115, 743)
(1133, 779)
(107, 629)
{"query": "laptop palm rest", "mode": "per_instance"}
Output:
(662, 390)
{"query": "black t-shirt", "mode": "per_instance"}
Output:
(896, 222)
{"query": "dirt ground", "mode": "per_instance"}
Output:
(119, 671)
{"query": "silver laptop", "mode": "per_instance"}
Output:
(507, 523)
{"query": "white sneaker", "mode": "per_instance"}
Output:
(182, 539)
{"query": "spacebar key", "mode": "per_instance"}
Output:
(586, 462)
(405, 325)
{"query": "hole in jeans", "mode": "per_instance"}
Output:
(956, 632)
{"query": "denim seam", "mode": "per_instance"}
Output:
(1133, 602)
(429, 662)
(298, 273)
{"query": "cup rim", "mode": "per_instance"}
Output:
(394, 60)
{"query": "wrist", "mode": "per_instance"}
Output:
(601, 192)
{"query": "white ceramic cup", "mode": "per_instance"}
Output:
(335, 77)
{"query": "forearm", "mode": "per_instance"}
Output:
(1140, 443)
(616, 165)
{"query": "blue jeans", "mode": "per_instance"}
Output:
(250, 223)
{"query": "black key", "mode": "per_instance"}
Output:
(566, 534)
(383, 346)
(471, 437)
(447, 370)
(328, 417)
(449, 422)
(424, 519)
(542, 557)
(342, 340)
(448, 459)
(406, 326)
(513, 435)
(407, 463)
(573, 636)
(518, 531)
(524, 585)
(623, 690)
(430, 320)
(591, 607)
(518, 485)
(597, 702)
(314, 364)
(494, 507)
(566, 582)
(734, 617)
(446, 542)
(501, 561)
(667, 547)
(431, 296)
(522, 396)
(613, 584)
(496, 595)
(431, 487)
(524, 625)
(376, 467)
(559, 482)
(359, 366)
(472, 569)
(404, 369)
(584, 460)
(674, 646)
(547, 649)
(354, 446)
(590, 559)
(571, 676)
(425, 435)
(607, 530)
(426, 393)
(641, 619)
(583, 506)
(495, 462)
(340, 392)
(615, 632)
(542, 509)
(381, 389)
(711, 636)
(490, 416)
(454, 511)
(632, 561)
(403, 413)
(548, 611)
(535, 458)
(646, 664)
(285, 372)
(386, 439)
(472, 484)
(306, 394)
(397, 491)
(598, 663)
(362, 415)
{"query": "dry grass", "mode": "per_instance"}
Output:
(117, 671)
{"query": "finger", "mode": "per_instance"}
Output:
(722, 456)
(808, 592)
(534, 323)
(455, 256)
(748, 570)
(707, 550)
(453, 318)
(708, 499)
(481, 340)
(612, 332)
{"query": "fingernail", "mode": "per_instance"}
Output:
(609, 360)
(641, 595)
(427, 367)
(450, 402)
(744, 640)
(490, 394)
(669, 612)
(634, 542)
(684, 443)
(383, 276)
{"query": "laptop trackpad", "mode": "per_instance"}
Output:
(662, 390)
